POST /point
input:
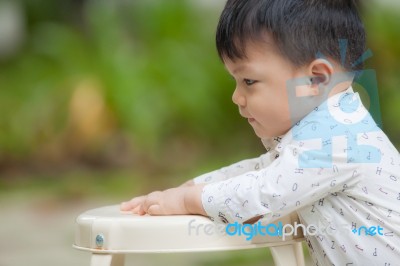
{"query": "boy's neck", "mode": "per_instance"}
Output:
(341, 87)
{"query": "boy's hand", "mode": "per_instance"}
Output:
(180, 200)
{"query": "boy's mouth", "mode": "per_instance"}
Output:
(249, 119)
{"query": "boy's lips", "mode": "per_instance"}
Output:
(250, 119)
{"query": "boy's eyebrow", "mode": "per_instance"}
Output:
(236, 70)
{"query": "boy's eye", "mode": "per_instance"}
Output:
(249, 82)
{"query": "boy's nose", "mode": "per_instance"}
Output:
(238, 98)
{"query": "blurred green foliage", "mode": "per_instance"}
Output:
(136, 83)
(122, 80)
(383, 32)
(151, 66)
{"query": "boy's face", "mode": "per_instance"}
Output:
(260, 91)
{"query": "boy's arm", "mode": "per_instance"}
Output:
(233, 170)
(275, 191)
(272, 192)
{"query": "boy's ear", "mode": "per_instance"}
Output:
(321, 71)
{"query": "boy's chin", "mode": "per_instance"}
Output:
(264, 134)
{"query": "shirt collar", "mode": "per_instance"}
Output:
(272, 143)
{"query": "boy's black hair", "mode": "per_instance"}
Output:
(300, 29)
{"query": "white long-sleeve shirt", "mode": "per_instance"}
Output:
(336, 169)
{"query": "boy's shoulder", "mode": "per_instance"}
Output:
(340, 115)
(340, 129)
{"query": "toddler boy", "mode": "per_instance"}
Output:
(326, 158)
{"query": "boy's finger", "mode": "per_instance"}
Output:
(151, 199)
(125, 206)
(155, 210)
(136, 210)
(141, 210)
(129, 205)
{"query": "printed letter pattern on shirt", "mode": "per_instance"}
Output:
(336, 170)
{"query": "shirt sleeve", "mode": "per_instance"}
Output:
(276, 190)
(236, 169)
